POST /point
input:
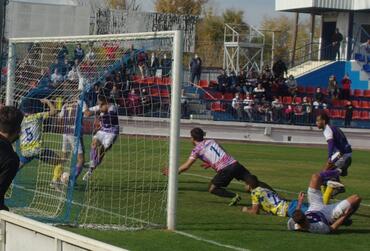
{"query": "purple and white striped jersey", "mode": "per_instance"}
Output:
(213, 154)
(109, 121)
(318, 222)
(337, 141)
(68, 116)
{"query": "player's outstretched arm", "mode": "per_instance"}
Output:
(254, 209)
(183, 168)
(47, 102)
(300, 201)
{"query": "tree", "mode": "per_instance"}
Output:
(180, 7)
(131, 5)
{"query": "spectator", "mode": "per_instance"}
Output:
(222, 82)
(242, 80)
(365, 47)
(195, 68)
(236, 104)
(166, 64)
(333, 87)
(279, 68)
(10, 129)
(90, 56)
(153, 65)
(56, 77)
(346, 87)
(134, 101)
(348, 115)
(233, 83)
(73, 74)
(336, 39)
(142, 59)
(184, 104)
(115, 93)
(79, 53)
(288, 112)
(266, 72)
(53, 66)
(298, 112)
(319, 96)
(248, 104)
(65, 68)
(265, 111)
(259, 94)
(277, 109)
(291, 85)
(307, 109)
(62, 53)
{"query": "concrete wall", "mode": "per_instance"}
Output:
(358, 138)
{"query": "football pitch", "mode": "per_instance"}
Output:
(206, 222)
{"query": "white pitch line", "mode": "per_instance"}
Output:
(139, 220)
(211, 241)
(240, 183)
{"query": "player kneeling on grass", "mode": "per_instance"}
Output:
(321, 218)
(269, 201)
(31, 146)
(67, 118)
(339, 152)
(105, 135)
(214, 156)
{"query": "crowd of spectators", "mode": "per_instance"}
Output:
(270, 96)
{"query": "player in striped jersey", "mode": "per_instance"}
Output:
(269, 201)
(30, 142)
(67, 117)
(321, 218)
(214, 156)
(339, 151)
(107, 133)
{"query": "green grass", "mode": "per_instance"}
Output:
(207, 216)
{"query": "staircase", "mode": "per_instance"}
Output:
(307, 67)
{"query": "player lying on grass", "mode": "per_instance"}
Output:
(106, 134)
(214, 156)
(321, 218)
(269, 201)
(30, 143)
(339, 152)
(67, 117)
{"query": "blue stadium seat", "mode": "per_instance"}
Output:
(366, 67)
(360, 57)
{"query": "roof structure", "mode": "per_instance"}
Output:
(320, 6)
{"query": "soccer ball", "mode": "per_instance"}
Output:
(64, 178)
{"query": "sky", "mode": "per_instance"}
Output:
(254, 10)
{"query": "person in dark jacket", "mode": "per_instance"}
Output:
(336, 40)
(195, 67)
(10, 129)
(279, 68)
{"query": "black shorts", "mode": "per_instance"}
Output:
(226, 175)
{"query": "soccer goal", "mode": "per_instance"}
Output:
(102, 118)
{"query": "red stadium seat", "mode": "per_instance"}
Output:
(364, 115)
(212, 96)
(356, 104)
(324, 91)
(310, 90)
(228, 96)
(217, 107)
(297, 100)
(165, 93)
(154, 92)
(364, 104)
(367, 93)
(213, 83)
(301, 89)
(356, 115)
(203, 83)
(357, 93)
(287, 100)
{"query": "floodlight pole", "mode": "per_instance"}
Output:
(177, 78)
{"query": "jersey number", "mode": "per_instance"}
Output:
(274, 198)
(29, 134)
(215, 150)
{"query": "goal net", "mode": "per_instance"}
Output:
(98, 128)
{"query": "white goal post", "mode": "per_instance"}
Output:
(175, 106)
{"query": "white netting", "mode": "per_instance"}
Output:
(130, 76)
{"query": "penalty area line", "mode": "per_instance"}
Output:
(210, 241)
(240, 183)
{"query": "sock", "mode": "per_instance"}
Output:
(78, 169)
(219, 191)
(58, 170)
(329, 174)
(327, 194)
(94, 158)
(323, 188)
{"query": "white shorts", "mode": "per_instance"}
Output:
(105, 138)
(343, 161)
(332, 211)
(69, 143)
